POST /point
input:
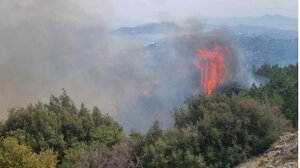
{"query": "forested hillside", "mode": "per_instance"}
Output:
(281, 89)
(216, 131)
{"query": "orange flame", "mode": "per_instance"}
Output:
(212, 66)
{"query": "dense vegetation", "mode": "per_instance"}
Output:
(213, 131)
(60, 126)
(281, 89)
(220, 130)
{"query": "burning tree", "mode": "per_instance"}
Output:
(212, 66)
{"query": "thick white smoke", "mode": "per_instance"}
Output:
(49, 45)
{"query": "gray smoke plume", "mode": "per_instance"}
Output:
(48, 45)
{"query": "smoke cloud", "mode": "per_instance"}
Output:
(49, 45)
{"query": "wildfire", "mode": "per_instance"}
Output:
(212, 66)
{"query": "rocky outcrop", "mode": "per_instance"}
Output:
(282, 154)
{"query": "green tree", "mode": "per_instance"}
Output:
(15, 155)
(107, 135)
(280, 88)
(212, 131)
(60, 125)
(230, 128)
(173, 149)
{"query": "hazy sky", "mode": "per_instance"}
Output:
(129, 12)
(134, 11)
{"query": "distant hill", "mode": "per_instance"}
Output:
(261, 49)
(254, 31)
(267, 39)
(257, 50)
(276, 26)
(150, 28)
(270, 21)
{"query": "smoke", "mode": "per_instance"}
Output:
(49, 45)
(175, 77)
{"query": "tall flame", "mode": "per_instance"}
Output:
(212, 66)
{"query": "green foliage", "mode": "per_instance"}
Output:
(153, 133)
(60, 125)
(107, 135)
(231, 128)
(213, 131)
(281, 89)
(173, 149)
(15, 155)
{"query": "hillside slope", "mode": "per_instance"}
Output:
(282, 154)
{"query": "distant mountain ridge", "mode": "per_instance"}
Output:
(270, 21)
(254, 31)
(149, 28)
(271, 44)
(273, 26)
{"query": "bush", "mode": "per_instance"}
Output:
(15, 155)
(99, 156)
(60, 125)
(281, 89)
(214, 131)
